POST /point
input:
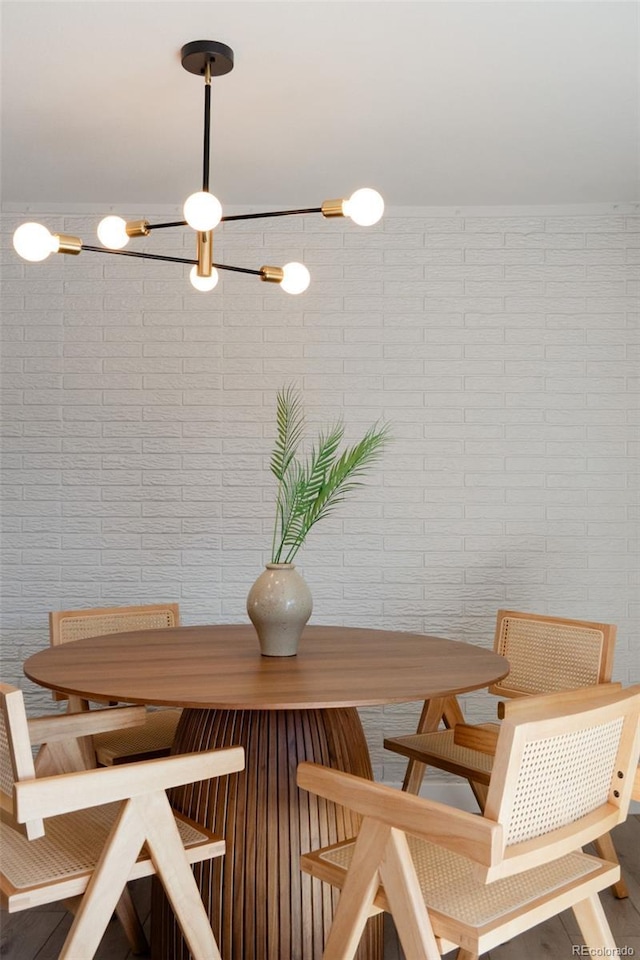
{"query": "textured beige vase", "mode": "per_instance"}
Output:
(279, 605)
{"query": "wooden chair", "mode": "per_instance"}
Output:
(105, 827)
(155, 737)
(545, 654)
(563, 775)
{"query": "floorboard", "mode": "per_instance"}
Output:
(38, 934)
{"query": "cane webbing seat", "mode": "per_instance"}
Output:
(64, 859)
(104, 827)
(461, 760)
(155, 737)
(563, 775)
(450, 886)
(150, 740)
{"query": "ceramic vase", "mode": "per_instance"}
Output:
(279, 605)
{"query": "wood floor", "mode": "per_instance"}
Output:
(38, 934)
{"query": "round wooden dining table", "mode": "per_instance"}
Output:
(282, 710)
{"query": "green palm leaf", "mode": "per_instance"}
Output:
(290, 430)
(290, 426)
(310, 490)
(342, 478)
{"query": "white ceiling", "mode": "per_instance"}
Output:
(433, 103)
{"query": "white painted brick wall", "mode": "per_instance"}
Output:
(502, 346)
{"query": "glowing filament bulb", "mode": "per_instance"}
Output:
(203, 283)
(202, 211)
(296, 278)
(112, 233)
(365, 207)
(33, 242)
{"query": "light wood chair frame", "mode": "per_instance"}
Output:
(480, 739)
(382, 874)
(143, 840)
(110, 748)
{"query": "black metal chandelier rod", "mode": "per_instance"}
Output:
(241, 216)
(163, 226)
(159, 256)
(273, 213)
(206, 149)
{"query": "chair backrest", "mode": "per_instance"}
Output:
(67, 625)
(563, 774)
(549, 654)
(16, 758)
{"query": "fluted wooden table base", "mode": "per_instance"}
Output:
(262, 907)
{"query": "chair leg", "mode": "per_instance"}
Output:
(356, 896)
(605, 849)
(414, 776)
(594, 925)
(65, 756)
(432, 713)
(173, 870)
(402, 890)
(452, 715)
(128, 917)
(463, 954)
(106, 885)
(480, 791)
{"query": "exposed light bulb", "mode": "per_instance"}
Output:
(365, 207)
(203, 283)
(112, 233)
(296, 278)
(33, 242)
(202, 211)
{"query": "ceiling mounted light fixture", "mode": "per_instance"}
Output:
(202, 210)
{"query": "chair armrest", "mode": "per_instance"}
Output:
(482, 737)
(551, 701)
(464, 833)
(70, 725)
(51, 796)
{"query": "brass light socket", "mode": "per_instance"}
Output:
(332, 208)
(137, 228)
(272, 274)
(68, 244)
(205, 253)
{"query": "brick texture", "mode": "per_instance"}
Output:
(503, 349)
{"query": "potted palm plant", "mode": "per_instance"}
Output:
(310, 487)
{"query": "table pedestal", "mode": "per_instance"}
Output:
(261, 906)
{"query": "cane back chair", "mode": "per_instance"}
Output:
(563, 775)
(545, 654)
(155, 737)
(104, 827)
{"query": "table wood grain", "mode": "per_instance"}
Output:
(220, 667)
